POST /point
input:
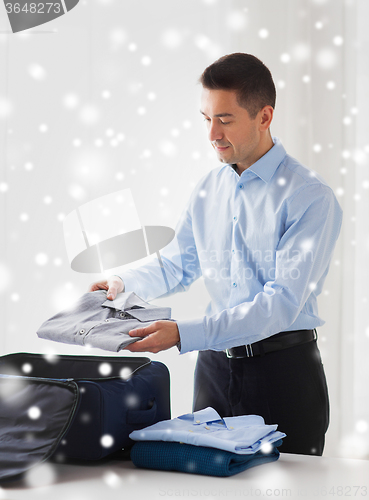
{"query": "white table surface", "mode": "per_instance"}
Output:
(292, 476)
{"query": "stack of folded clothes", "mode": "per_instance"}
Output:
(204, 443)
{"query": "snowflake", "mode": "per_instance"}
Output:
(37, 72)
(146, 60)
(112, 479)
(346, 154)
(105, 369)
(5, 107)
(117, 38)
(132, 401)
(76, 191)
(171, 38)
(263, 33)
(338, 40)
(266, 448)
(301, 52)
(326, 58)
(41, 475)
(71, 101)
(125, 373)
(34, 412)
(107, 441)
(236, 20)
(41, 259)
(89, 114)
(27, 368)
(168, 148)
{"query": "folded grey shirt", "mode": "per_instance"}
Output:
(97, 322)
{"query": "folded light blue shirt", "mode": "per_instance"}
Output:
(244, 435)
(262, 241)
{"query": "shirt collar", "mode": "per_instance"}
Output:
(242, 421)
(267, 164)
(125, 301)
(202, 416)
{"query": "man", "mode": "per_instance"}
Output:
(261, 230)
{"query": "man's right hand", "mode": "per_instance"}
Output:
(113, 285)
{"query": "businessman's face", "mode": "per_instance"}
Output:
(232, 133)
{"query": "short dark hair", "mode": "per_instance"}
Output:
(246, 75)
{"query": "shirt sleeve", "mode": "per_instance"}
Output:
(180, 265)
(302, 256)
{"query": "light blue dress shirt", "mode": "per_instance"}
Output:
(244, 435)
(262, 241)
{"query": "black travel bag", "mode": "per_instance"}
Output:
(75, 407)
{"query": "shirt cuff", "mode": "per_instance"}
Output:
(192, 335)
(129, 282)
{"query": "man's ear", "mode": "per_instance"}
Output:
(266, 117)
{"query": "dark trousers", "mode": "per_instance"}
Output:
(286, 387)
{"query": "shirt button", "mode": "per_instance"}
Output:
(234, 218)
(233, 250)
(82, 331)
(234, 285)
(106, 321)
(122, 315)
(241, 186)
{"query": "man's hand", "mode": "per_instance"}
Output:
(159, 336)
(113, 285)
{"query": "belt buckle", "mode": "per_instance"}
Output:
(249, 353)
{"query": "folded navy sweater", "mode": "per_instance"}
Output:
(193, 459)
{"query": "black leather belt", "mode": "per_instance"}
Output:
(282, 340)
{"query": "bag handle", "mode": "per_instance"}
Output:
(145, 417)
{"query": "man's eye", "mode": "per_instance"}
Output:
(224, 123)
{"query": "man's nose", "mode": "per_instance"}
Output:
(215, 132)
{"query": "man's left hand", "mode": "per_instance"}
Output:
(159, 336)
